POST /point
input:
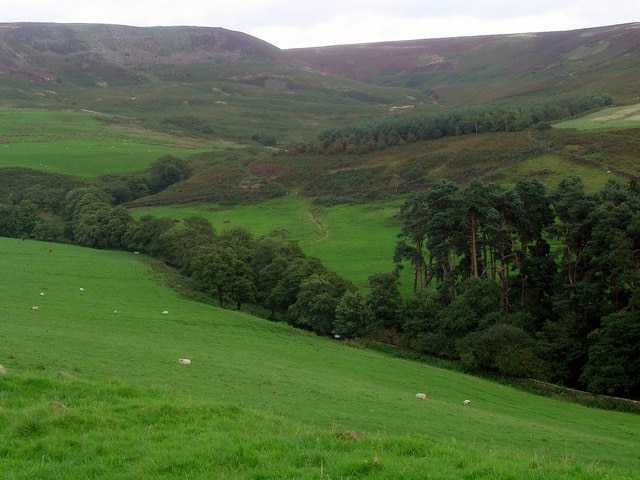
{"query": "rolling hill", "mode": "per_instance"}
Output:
(485, 69)
(213, 74)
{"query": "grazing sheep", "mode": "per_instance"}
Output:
(3, 370)
(467, 402)
(81, 289)
(184, 361)
(34, 308)
(115, 312)
(42, 294)
(421, 396)
(165, 312)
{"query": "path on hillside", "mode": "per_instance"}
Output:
(323, 228)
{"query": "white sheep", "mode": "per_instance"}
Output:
(184, 361)
(81, 289)
(34, 308)
(466, 402)
(42, 294)
(421, 396)
(115, 312)
(165, 312)
(3, 370)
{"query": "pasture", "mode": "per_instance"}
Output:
(627, 116)
(89, 393)
(84, 144)
(354, 240)
(550, 170)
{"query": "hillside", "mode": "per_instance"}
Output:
(247, 103)
(206, 81)
(484, 69)
(88, 393)
(112, 53)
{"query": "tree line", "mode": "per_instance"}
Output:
(381, 133)
(527, 283)
(515, 281)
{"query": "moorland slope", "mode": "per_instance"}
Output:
(101, 67)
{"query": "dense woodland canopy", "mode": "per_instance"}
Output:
(378, 134)
(516, 281)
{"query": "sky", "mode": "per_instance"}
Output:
(301, 24)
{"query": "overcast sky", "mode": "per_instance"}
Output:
(300, 23)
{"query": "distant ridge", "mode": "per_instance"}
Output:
(43, 51)
(591, 58)
(463, 70)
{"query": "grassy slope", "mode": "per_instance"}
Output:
(260, 400)
(610, 118)
(355, 241)
(85, 144)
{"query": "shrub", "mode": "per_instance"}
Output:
(503, 348)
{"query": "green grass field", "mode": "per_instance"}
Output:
(550, 170)
(93, 394)
(354, 240)
(85, 144)
(611, 118)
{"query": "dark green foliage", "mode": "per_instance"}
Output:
(317, 300)
(46, 190)
(19, 220)
(93, 222)
(504, 348)
(166, 171)
(614, 356)
(414, 215)
(384, 301)
(510, 303)
(145, 235)
(125, 188)
(353, 315)
(389, 132)
(270, 262)
(180, 242)
(284, 291)
(222, 273)
(418, 314)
